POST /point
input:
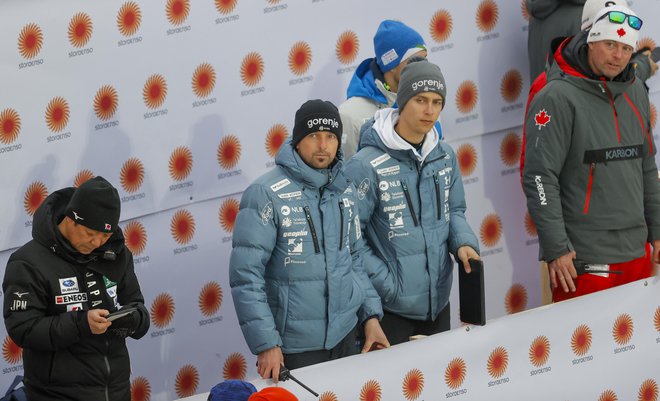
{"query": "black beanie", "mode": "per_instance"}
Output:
(95, 204)
(316, 115)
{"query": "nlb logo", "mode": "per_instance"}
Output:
(466, 156)
(328, 396)
(491, 230)
(82, 176)
(11, 352)
(581, 340)
(225, 6)
(177, 11)
(154, 91)
(10, 126)
(187, 380)
(162, 310)
(530, 227)
(455, 373)
(252, 69)
(441, 26)
(80, 30)
(511, 85)
(235, 367)
(498, 362)
(129, 18)
(347, 47)
(227, 214)
(648, 391)
(182, 226)
(140, 389)
(135, 237)
(487, 15)
(275, 137)
(539, 351)
(300, 58)
(510, 148)
(35, 194)
(106, 102)
(181, 163)
(523, 10)
(57, 114)
(413, 384)
(131, 175)
(203, 80)
(623, 328)
(467, 95)
(229, 152)
(515, 299)
(30, 41)
(371, 391)
(210, 298)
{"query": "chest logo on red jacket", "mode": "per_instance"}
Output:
(542, 118)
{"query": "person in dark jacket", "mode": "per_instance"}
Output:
(412, 207)
(297, 280)
(59, 289)
(590, 175)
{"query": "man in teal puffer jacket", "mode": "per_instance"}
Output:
(412, 207)
(297, 280)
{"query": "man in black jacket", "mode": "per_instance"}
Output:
(59, 289)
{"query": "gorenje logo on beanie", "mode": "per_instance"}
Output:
(426, 83)
(321, 122)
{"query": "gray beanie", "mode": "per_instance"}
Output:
(420, 76)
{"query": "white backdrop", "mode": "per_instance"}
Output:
(182, 103)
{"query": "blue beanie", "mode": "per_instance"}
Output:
(392, 41)
(231, 390)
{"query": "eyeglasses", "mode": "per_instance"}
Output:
(619, 17)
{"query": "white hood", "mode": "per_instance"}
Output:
(386, 119)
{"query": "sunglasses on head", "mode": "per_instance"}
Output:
(619, 17)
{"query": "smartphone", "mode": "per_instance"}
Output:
(472, 299)
(655, 54)
(121, 313)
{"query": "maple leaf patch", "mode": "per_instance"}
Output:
(542, 118)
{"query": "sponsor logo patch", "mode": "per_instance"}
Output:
(363, 188)
(267, 213)
(380, 160)
(74, 307)
(542, 118)
(290, 195)
(280, 184)
(69, 285)
(70, 298)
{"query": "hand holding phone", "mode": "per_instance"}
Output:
(121, 313)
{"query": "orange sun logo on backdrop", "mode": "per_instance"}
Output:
(11, 352)
(210, 298)
(523, 10)
(328, 396)
(608, 395)
(467, 158)
(30, 41)
(129, 18)
(187, 380)
(82, 176)
(581, 340)
(511, 85)
(654, 115)
(487, 15)
(530, 227)
(441, 26)
(34, 195)
(510, 149)
(455, 373)
(491, 230)
(371, 391)
(347, 47)
(252, 69)
(623, 328)
(162, 310)
(656, 319)
(180, 164)
(648, 391)
(57, 114)
(300, 58)
(413, 384)
(498, 362)
(203, 80)
(10, 126)
(177, 11)
(228, 213)
(229, 152)
(80, 30)
(182, 226)
(275, 137)
(225, 6)
(154, 91)
(646, 42)
(235, 367)
(106, 102)
(140, 389)
(539, 351)
(466, 96)
(516, 299)
(135, 237)
(131, 175)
